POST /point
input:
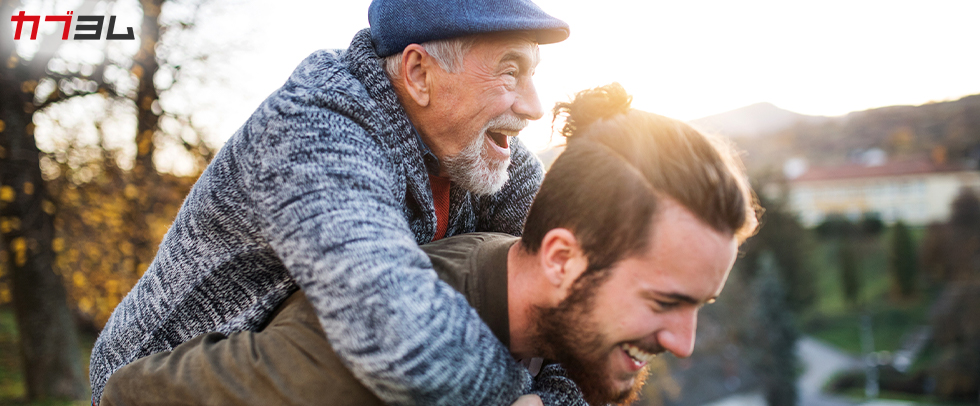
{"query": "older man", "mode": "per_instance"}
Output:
(634, 229)
(329, 187)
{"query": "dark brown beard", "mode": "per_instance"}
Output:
(564, 334)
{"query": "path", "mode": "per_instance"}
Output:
(821, 362)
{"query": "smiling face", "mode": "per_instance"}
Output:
(474, 112)
(606, 331)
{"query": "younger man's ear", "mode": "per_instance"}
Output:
(563, 261)
(416, 75)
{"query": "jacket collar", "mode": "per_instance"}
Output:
(408, 150)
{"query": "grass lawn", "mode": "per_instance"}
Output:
(889, 324)
(838, 322)
(11, 377)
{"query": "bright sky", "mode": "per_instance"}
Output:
(684, 58)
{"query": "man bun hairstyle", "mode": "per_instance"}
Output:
(618, 164)
(591, 105)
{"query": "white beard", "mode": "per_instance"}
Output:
(473, 169)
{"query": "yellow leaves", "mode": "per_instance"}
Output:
(9, 224)
(30, 127)
(131, 192)
(126, 248)
(48, 207)
(7, 194)
(5, 296)
(29, 188)
(146, 102)
(12, 62)
(28, 86)
(78, 279)
(19, 246)
(3, 126)
(97, 238)
(85, 304)
(145, 140)
(106, 306)
(93, 251)
(137, 71)
(29, 108)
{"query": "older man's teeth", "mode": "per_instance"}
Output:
(509, 133)
(638, 354)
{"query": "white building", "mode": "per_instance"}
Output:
(917, 192)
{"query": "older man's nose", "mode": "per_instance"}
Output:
(678, 337)
(527, 105)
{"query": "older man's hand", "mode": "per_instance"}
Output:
(528, 400)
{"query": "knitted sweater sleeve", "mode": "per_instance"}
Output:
(322, 195)
(555, 387)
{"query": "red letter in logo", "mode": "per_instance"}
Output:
(20, 19)
(65, 19)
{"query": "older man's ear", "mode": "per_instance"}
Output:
(563, 261)
(417, 75)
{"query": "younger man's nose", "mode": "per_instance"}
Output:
(678, 337)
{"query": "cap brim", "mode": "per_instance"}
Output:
(551, 36)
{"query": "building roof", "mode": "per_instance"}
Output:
(893, 168)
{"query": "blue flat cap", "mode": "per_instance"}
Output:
(397, 23)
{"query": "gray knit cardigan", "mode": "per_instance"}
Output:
(324, 189)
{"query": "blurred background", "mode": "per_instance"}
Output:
(862, 287)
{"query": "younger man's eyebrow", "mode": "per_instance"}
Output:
(680, 297)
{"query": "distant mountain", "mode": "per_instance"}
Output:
(752, 121)
(767, 135)
(946, 131)
(746, 122)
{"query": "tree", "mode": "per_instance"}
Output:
(902, 261)
(116, 196)
(48, 233)
(849, 274)
(951, 254)
(784, 238)
(949, 250)
(871, 224)
(49, 350)
(774, 331)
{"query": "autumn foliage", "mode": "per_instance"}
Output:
(95, 252)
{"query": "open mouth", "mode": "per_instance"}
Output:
(500, 137)
(639, 357)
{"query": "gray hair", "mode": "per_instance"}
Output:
(448, 53)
